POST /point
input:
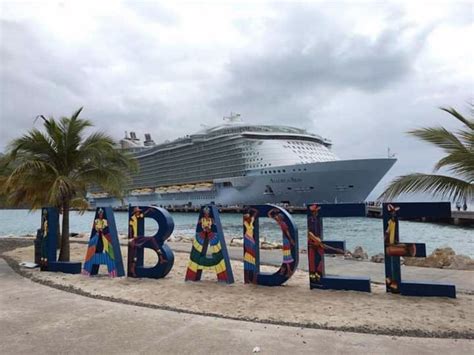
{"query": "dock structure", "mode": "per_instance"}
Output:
(374, 210)
(232, 209)
(459, 218)
(462, 217)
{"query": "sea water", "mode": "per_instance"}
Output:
(366, 232)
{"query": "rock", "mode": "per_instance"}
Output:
(439, 258)
(268, 245)
(237, 242)
(186, 239)
(175, 238)
(443, 258)
(427, 262)
(461, 262)
(444, 255)
(378, 258)
(359, 254)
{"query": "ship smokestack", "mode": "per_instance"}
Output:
(133, 136)
(148, 141)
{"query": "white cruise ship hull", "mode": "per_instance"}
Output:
(329, 182)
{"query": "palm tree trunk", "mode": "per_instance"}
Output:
(64, 252)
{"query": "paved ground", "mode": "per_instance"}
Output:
(39, 319)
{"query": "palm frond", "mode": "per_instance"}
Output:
(73, 129)
(438, 185)
(62, 189)
(76, 114)
(54, 134)
(80, 203)
(460, 163)
(467, 137)
(33, 168)
(440, 137)
(35, 143)
(468, 122)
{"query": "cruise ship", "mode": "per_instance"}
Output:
(237, 164)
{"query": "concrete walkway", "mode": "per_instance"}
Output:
(463, 279)
(43, 320)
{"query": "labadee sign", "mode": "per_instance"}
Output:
(209, 250)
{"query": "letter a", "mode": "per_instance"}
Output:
(209, 234)
(104, 247)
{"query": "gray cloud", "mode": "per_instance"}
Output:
(304, 54)
(109, 77)
(301, 65)
(154, 12)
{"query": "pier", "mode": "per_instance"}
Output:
(374, 210)
(458, 218)
(235, 209)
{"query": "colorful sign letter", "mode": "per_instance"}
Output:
(48, 244)
(49, 228)
(394, 249)
(209, 234)
(318, 247)
(137, 242)
(289, 230)
(104, 247)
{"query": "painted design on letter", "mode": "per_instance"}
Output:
(104, 247)
(251, 229)
(48, 242)
(137, 242)
(209, 235)
(393, 249)
(318, 247)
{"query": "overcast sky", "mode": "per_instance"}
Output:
(358, 73)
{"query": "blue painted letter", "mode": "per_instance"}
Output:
(289, 230)
(318, 247)
(137, 242)
(209, 233)
(394, 249)
(49, 242)
(104, 247)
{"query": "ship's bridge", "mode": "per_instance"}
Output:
(266, 146)
(264, 152)
(262, 131)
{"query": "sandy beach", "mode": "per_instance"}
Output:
(293, 304)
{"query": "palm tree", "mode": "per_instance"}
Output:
(57, 166)
(459, 161)
(5, 170)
